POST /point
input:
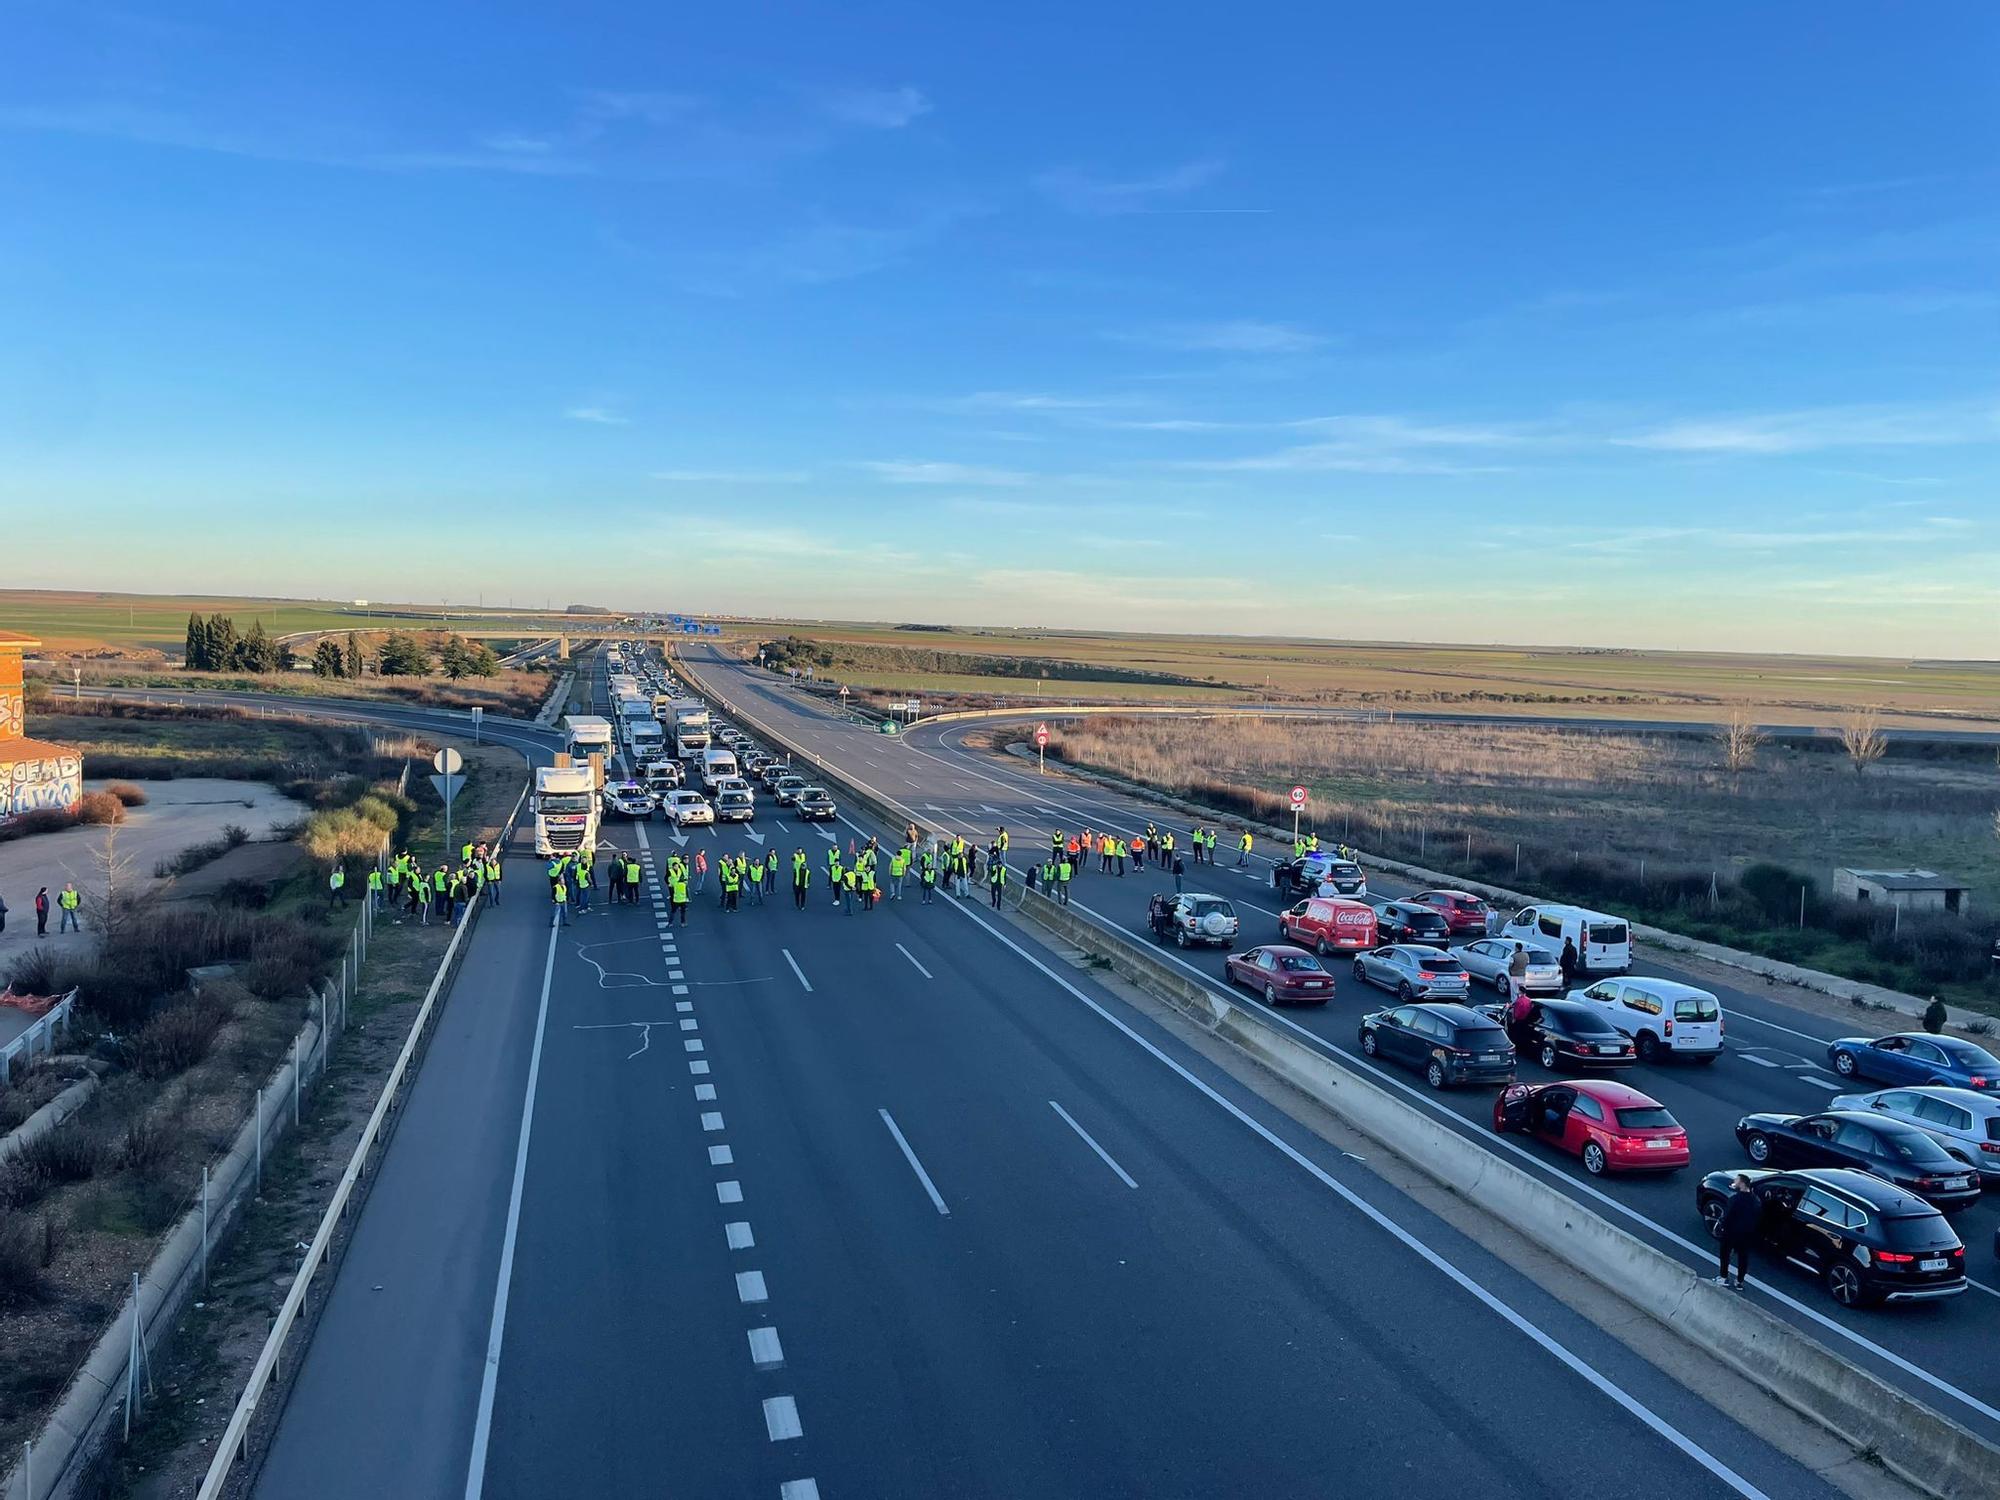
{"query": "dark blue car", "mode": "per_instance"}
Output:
(1915, 1057)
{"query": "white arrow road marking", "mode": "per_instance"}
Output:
(755, 838)
(830, 838)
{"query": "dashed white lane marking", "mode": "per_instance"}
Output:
(781, 1418)
(1762, 1062)
(804, 983)
(750, 1287)
(675, 974)
(766, 1353)
(684, 1006)
(721, 1156)
(689, 1023)
(1088, 1140)
(739, 1236)
(913, 960)
(698, 1067)
(937, 1200)
(798, 1489)
(711, 1120)
(1823, 1082)
(704, 1091)
(680, 989)
(694, 1045)
(729, 1192)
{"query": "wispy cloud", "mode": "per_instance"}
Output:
(731, 476)
(1236, 336)
(916, 471)
(599, 415)
(1035, 401)
(878, 109)
(1817, 429)
(1085, 192)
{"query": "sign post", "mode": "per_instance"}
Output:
(1042, 746)
(477, 713)
(1298, 806)
(447, 781)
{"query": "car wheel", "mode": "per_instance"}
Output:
(1434, 1074)
(1180, 938)
(1368, 1042)
(1360, 970)
(1593, 1159)
(1711, 1215)
(1843, 1064)
(1758, 1147)
(1271, 997)
(1843, 1283)
(1404, 992)
(1319, 948)
(1649, 1047)
(1548, 1055)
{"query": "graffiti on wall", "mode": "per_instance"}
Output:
(13, 718)
(26, 785)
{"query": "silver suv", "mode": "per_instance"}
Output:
(1963, 1121)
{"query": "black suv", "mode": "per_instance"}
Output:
(1303, 876)
(1407, 922)
(1867, 1240)
(1897, 1153)
(1568, 1034)
(1449, 1043)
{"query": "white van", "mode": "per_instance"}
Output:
(1664, 1017)
(1603, 944)
(717, 766)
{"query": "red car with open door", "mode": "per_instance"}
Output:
(1612, 1126)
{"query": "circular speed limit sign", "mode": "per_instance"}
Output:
(1298, 796)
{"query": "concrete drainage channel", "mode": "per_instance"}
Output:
(1919, 1445)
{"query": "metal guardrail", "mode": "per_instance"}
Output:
(41, 1035)
(234, 1442)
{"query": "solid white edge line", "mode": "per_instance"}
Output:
(797, 970)
(482, 1427)
(1090, 1141)
(1416, 1246)
(916, 1166)
(913, 960)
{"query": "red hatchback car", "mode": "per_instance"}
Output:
(1282, 974)
(1463, 913)
(1612, 1126)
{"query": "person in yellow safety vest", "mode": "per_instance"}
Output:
(1166, 849)
(584, 879)
(465, 852)
(1000, 839)
(420, 898)
(927, 874)
(1298, 847)
(866, 884)
(835, 874)
(1056, 842)
(899, 866)
(677, 895)
(492, 886)
(561, 894)
(1243, 849)
(70, 901)
(730, 880)
(375, 889)
(755, 878)
(996, 880)
(1064, 869)
(1312, 843)
(395, 881)
(336, 887)
(801, 878)
(850, 889)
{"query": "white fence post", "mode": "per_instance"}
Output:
(295, 1080)
(204, 1227)
(259, 1133)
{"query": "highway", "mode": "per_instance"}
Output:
(811, 1203)
(1776, 1061)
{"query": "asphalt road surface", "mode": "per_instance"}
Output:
(795, 1203)
(1776, 1059)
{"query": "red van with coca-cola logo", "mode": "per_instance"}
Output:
(1328, 924)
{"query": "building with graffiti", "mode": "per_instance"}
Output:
(33, 773)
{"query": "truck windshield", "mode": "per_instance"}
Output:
(564, 802)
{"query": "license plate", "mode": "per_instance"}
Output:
(1932, 1265)
(1609, 1051)
(1315, 984)
(1658, 1145)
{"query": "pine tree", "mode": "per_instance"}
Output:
(353, 654)
(194, 655)
(484, 662)
(257, 652)
(455, 660)
(328, 659)
(403, 655)
(222, 643)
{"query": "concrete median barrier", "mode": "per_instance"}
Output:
(1921, 1446)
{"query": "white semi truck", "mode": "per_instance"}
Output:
(690, 728)
(565, 810)
(588, 736)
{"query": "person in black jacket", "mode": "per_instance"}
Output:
(1737, 1229)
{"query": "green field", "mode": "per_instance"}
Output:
(91, 624)
(1496, 680)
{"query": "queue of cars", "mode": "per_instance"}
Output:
(1858, 1196)
(730, 776)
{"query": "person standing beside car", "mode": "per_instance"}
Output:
(1738, 1227)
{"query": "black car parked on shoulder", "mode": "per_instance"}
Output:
(1866, 1240)
(1897, 1153)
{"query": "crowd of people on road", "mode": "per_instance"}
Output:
(443, 893)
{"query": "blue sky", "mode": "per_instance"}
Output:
(1638, 324)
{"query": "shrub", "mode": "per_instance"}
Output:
(235, 835)
(40, 820)
(27, 1245)
(145, 1145)
(99, 807)
(178, 1036)
(125, 792)
(337, 833)
(72, 1152)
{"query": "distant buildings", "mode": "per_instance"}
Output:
(33, 773)
(1910, 890)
